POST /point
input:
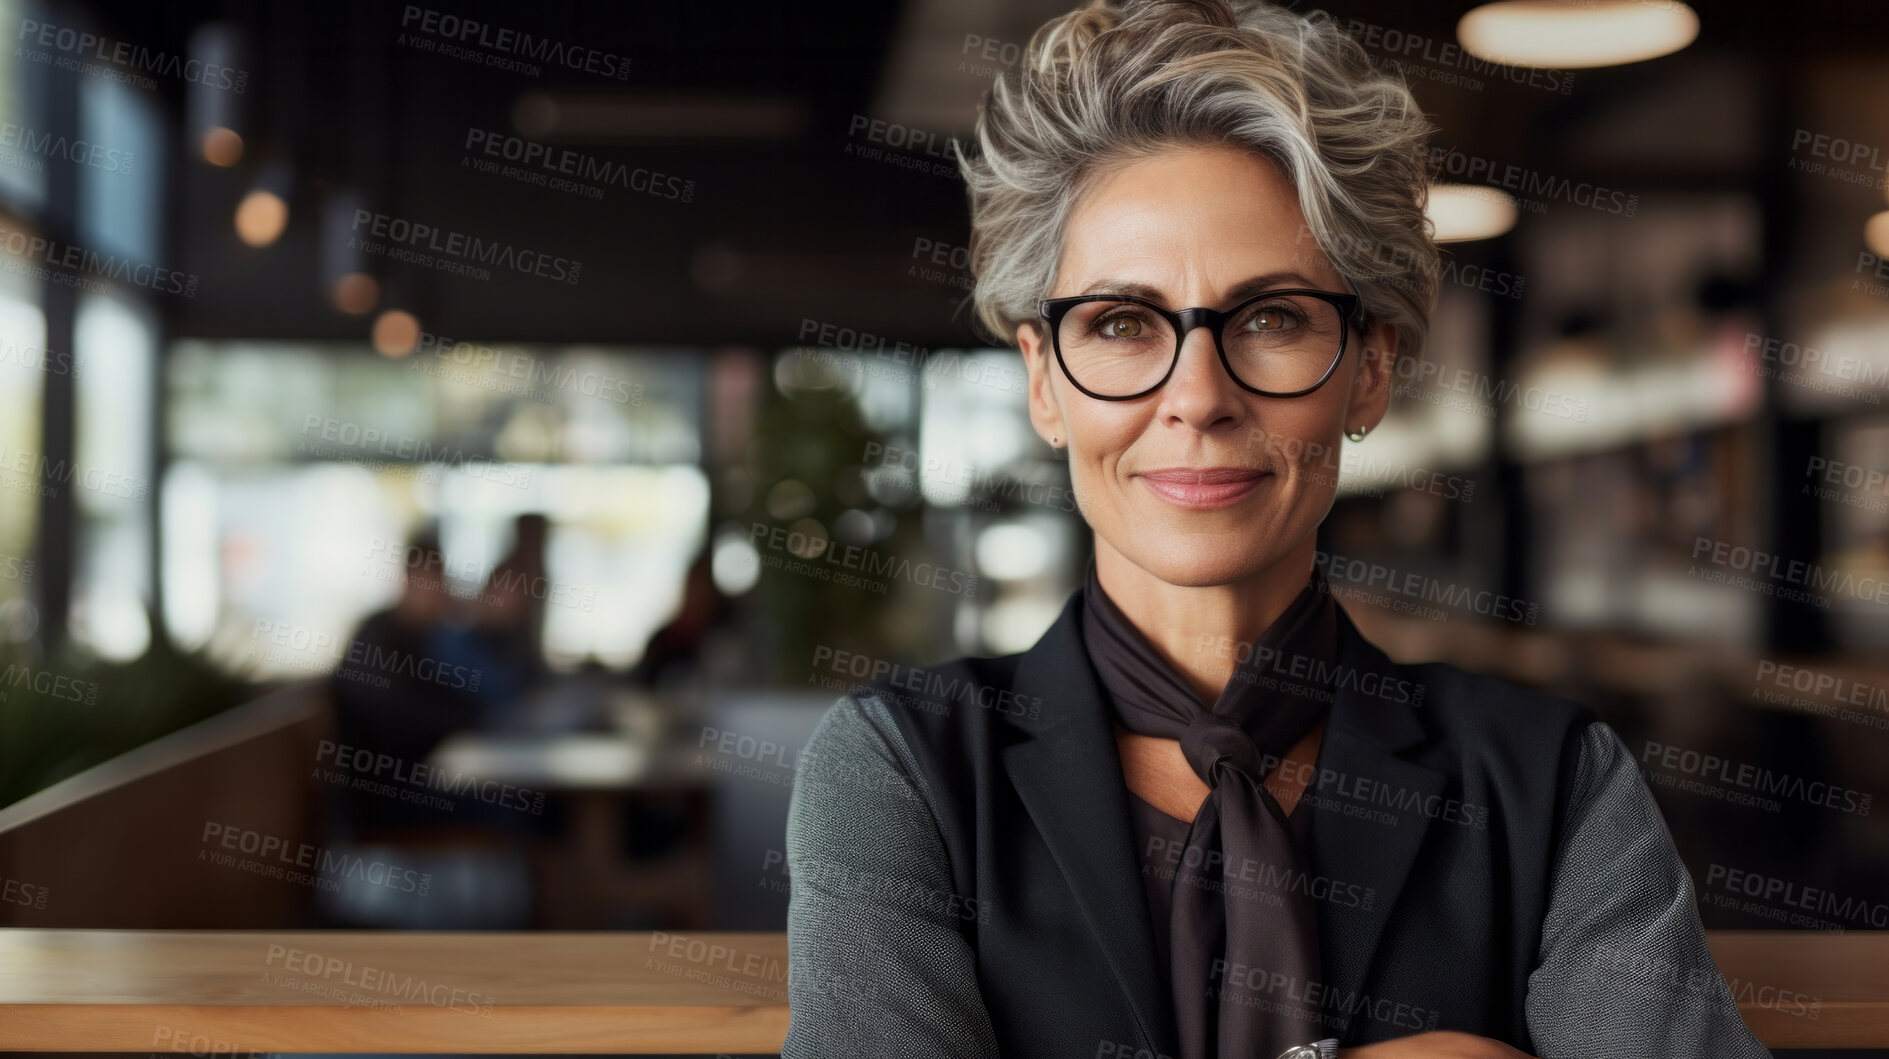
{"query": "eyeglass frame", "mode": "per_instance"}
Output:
(1184, 321)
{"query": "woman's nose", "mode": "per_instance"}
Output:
(1200, 390)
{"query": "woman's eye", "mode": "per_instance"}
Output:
(1122, 327)
(1270, 320)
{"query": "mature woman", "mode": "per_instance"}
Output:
(1202, 816)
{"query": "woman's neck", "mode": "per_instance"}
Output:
(1202, 632)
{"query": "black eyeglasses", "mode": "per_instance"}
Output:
(1282, 343)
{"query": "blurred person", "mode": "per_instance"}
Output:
(1203, 816)
(504, 634)
(395, 692)
(682, 652)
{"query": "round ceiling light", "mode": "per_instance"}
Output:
(1564, 36)
(1462, 212)
(1876, 234)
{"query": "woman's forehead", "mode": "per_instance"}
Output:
(1174, 228)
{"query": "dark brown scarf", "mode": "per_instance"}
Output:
(1262, 921)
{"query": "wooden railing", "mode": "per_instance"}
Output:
(122, 844)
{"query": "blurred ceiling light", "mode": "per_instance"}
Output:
(212, 112)
(1462, 212)
(261, 217)
(345, 276)
(354, 293)
(221, 146)
(1565, 36)
(263, 213)
(1876, 234)
(620, 117)
(396, 333)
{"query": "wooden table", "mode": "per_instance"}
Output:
(1782, 977)
(207, 993)
(595, 774)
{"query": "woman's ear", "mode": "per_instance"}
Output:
(1046, 415)
(1371, 389)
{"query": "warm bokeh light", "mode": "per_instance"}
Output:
(396, 333)
(1462, 212)
(1550, 33)
(222, 146)
(355, 293)
(261, 217)
(1876, 234)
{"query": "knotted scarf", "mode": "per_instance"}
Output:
(1240, 892)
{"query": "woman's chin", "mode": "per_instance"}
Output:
(1196, 565)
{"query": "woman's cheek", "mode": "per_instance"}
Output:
(1299, 485)
(1083, 484)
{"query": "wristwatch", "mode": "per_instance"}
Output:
(1325, 1049)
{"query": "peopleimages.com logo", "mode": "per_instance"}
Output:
(430, 246)
(303, 863)
(365, 763)
(121, 59)
(501, 47)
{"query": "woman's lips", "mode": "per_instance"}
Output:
(1204, 489)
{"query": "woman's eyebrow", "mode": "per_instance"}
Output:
(1239, 292)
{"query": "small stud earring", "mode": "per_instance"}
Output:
(1053, 439)
(1356, 435)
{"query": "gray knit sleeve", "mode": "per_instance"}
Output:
(1623, 967)
(878, 963)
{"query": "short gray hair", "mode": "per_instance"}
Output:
(1117, 80)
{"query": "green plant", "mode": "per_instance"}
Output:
(68, 712)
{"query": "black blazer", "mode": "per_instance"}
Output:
(1439, 792)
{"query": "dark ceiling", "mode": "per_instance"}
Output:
(778, 231)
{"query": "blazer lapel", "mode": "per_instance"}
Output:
(1069, 776)
(1359, 764)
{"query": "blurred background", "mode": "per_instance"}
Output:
(436, 432)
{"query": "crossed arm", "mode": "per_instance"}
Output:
(878, 965)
